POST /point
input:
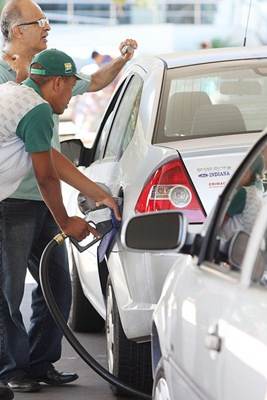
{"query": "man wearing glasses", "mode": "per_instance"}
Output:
(42, 22)
(25, 30)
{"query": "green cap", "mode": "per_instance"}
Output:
(55, 63)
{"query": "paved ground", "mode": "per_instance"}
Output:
(89, 386)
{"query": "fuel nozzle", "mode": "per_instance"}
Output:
(100, 216)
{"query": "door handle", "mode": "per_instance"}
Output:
(212, 340)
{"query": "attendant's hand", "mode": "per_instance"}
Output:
(78, 228)
(111, 203)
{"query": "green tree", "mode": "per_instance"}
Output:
(218, 42)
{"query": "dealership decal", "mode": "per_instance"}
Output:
(216, 184)
(214, 172)
(215, 175)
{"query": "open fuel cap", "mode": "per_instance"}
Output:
(98, 216)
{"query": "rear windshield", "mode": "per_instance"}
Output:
(213, 99)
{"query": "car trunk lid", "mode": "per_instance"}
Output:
(210, 162)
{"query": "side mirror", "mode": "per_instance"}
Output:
(75, 151)
(155, 231)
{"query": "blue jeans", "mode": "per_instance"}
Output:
(25, 228)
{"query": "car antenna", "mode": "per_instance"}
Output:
(246, 31)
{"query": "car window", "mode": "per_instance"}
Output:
(104, 135)
(238, 216)
(106, 123)
(125, 120)
(213, 99)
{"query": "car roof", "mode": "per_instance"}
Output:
(201, 56)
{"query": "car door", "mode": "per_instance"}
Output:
(203, 294)
(114, 136)
(219, 316)
(243, 328)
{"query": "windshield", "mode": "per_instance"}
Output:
(213, 99)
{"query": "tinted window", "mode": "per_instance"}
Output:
(106, 123)
(214, 99)
(238, 216)
(103, 138)
(124, 123)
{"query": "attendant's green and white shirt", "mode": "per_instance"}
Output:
(26, 126)
(28, 188)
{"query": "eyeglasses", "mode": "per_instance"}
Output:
(42, 22)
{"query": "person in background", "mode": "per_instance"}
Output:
(101, 59)
(205, 45)
(30, 360)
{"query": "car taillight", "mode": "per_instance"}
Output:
(170, 188)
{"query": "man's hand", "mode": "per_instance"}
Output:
(127, 48)
(78, 228)
(19, 64)
(108, 72)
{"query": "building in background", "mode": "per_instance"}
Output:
(159, 26)
(132, 11)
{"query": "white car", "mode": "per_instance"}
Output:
(173, 134)
(209, 335)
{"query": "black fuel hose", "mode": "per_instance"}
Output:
(60, 321)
